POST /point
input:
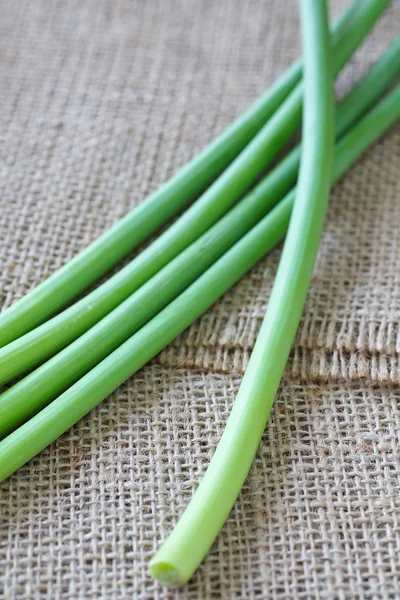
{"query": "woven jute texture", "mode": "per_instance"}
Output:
(101, 101)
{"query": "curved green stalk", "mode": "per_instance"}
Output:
(368, 89)
(29, 439)
(29, 395)
(90, 264)
(44, 341)
(104, 252)
(202, 520)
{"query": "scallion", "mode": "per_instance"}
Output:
(202, 520)
(48, 297)
(29, 395)
(47, 339)
(37, 433)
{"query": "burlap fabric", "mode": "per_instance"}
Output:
(100, 103)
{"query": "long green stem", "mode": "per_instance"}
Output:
(95, 260)
(44, 341)
(369, 88)
(202, 520)
(137, 225)
(29, 439)
(30, 394)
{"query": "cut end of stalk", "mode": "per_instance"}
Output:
(164, 573)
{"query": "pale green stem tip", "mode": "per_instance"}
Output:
(164, 573)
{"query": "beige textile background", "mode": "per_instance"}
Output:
(101, 101)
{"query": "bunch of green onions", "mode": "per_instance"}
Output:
(72, 359)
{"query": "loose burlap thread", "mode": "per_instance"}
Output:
(101, 102)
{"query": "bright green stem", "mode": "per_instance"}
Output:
(353, 30)
(33, 392)
(95, 260)
(29, 439)
(202, 520)
(242, 172)
(369, 88)
(64, 285)
(29, 395)
(33, 348)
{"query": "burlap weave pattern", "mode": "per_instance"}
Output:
(101, 102)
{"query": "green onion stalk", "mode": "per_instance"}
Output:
(262, 132)
(104, 252)
(49, 338)
(199, 525)
(56, 418)
(30, 394)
